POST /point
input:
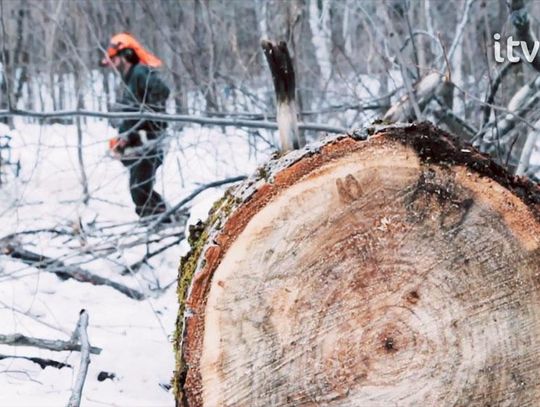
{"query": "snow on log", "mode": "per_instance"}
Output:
(399, 270)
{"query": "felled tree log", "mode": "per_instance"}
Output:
(399, 271)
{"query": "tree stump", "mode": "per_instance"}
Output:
(399, 271)
(282, 69)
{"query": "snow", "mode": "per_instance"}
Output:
(136, 336)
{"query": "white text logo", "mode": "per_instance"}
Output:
(529, 55)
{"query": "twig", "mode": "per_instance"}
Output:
(137, 265)
(35, 231)
(370, 104)
(188, 198)
(27, 314)
(22, 372)
(82, 325)
(56, 345)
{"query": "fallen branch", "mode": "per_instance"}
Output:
(82, 325)
(55, 345)
(43, 363)
(164, 117)
(65, 271)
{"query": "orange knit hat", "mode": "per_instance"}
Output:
(125, 40)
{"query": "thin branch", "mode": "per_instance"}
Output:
(409, 88)
(82, 325)
(168, 118)
(188, 198)
(411, 100)
(459, 30)
(36, 231)
(371, 104)
(27, 314)
(434, 39)
(411, 36)
(493, 91)
(56, 345)
(135, 267)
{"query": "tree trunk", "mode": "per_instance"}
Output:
(401, 270)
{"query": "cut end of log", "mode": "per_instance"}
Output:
(402, 270)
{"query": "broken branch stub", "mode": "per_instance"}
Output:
(401, 270)
(281, 67)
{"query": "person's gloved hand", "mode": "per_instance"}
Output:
(117, 146)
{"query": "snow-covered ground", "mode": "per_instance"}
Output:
(135, 335)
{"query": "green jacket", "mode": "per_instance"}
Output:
(143, 91)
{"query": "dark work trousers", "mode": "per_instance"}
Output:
(142, 175)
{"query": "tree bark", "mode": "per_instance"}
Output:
(401, 270)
